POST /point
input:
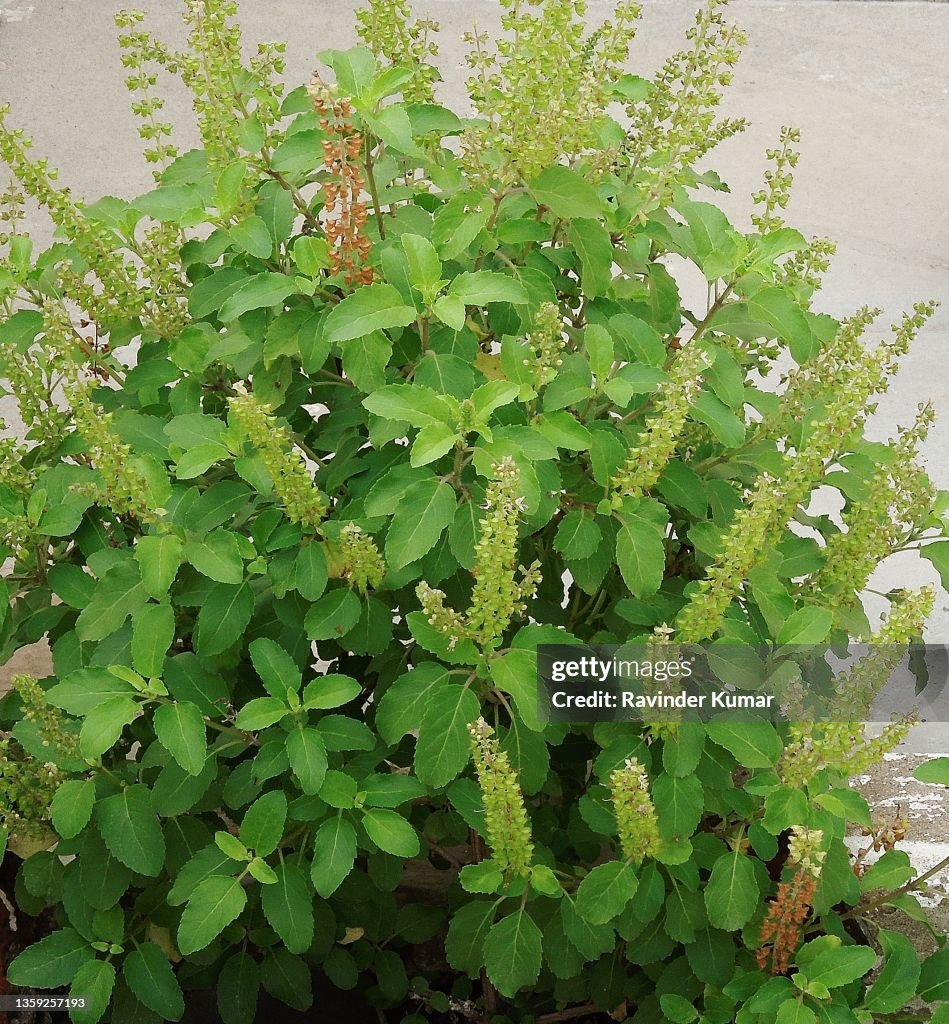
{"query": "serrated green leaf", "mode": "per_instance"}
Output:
(214, 904)
(180, 729)
(334, 853)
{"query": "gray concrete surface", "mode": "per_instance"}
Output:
(867, 82)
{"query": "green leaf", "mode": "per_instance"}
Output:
(793, 1011)
(933, 979)
(516, 673)
(425, 268)
(677, 1009)
(252, 236)
(403, 705)
(562, 430)
(334, 853)
(279, 673)
(83, 690)
(846, 804)
(330, 691)
(483, 877)
(214, 904)
(441, 751)
(217, 556)
(93, 982)
(391, 832)
(577, 536)
(261, 713)
(51, 962)
(605, 891)
(118, 595)
(310, 254)
(935, 771)
(307, 753)
(288, 907)
(159, 559)
(71, 807)
(104, 725)
(223, 618)
(679, 804)
(365, 359)
(731, 894)
(512, 953)
(411, 403)
(131, 831)
(374, 307)
(784, 807)
(771, 313)
(467, 930)
(827, 961)
(716, 415)
(938, 554)
(753, 744)
(450, 310)
(432, 442)
(566, 194)
(333, 615)
(480, 287)
(181, 731)
(152, 981)
(153, 632)
(238, 987)
(806, 626)
(263, 823)
(592, 242)
(257, 292)
(641, 557)
(425, 512)
(310, 571)
(896, 983)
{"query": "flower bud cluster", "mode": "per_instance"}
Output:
(897, 508)
(139, 51)
(345, 211)
(654, 447)
(124, 488)
(675, 124)
(842, 745)
(505, 816)
(31, 378)
(783, 927)
(48, 720)
(777, 182)
(502, 588)
(761, 521)
(803, 271)
(212, 69)
(546, 342)
(302, 500)
(27, 785)
(94, 242)
(12, 211)
(27, 788)
(160, 253)
(636, 821)
(361, 562)
(542, 89)
(387, 29)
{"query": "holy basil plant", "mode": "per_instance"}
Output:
(325, 433)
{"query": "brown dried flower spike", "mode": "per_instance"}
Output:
(345, 211)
